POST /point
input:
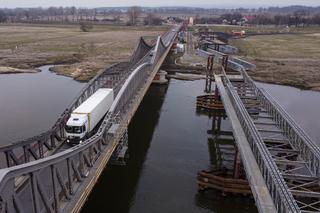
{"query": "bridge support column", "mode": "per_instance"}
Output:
(237, 164)
(225, 59)
(209, 74)
(160, 78)
(225, 173)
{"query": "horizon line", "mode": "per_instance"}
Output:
(176, 6)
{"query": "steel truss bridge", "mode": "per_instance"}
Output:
(281, 162)
(39, 175)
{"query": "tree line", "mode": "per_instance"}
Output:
(135, 15)
(293, 15)
(62, 14)
(297, 18)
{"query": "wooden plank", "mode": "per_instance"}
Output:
(305, 194)
(265, 123)
(289, 162)
(271, 131)
(283, 150)
(224, 189)
(264, 116)
(275, 141)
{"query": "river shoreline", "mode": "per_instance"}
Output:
(11, 70)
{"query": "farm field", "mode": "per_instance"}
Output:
(289, 59)
(75, 53)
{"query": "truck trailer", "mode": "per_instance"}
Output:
(85, 118)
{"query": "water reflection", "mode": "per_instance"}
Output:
(118, 184)
(221, 147)
(168, 145)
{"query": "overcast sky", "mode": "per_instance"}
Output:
(151, 3)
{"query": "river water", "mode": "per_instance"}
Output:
(168, 141)
(302, 105)
(30, 103)
(168, 145)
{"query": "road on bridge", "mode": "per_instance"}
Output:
(62, 182)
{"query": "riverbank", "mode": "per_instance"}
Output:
(77, 54)
(291, 60)
(11, 70)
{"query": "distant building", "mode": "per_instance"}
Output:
(248, 18)
(191, 21)
(238, 33)
(225, 21)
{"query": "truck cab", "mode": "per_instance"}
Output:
(76, 128)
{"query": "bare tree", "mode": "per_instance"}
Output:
(133, 14)
(73, 11)
(26, 14)
(52, 13)
(299, 16)
(95, 13)
(151, 19)
(148, 19)
(85, 26)
(3, 16)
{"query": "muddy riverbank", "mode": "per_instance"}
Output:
(11, 70)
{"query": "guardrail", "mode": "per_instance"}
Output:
(58, 182)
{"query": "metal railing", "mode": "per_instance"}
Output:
(279, 191)
(285, 198)
(298, 139)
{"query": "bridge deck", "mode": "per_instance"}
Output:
(62, 182)
(288, 159)
(290, 163)
(257, 183)
(84, 193)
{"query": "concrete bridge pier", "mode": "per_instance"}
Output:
(160, 77)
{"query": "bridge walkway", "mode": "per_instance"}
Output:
(258, 187)
(292, 166)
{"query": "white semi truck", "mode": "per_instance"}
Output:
(85, 118)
